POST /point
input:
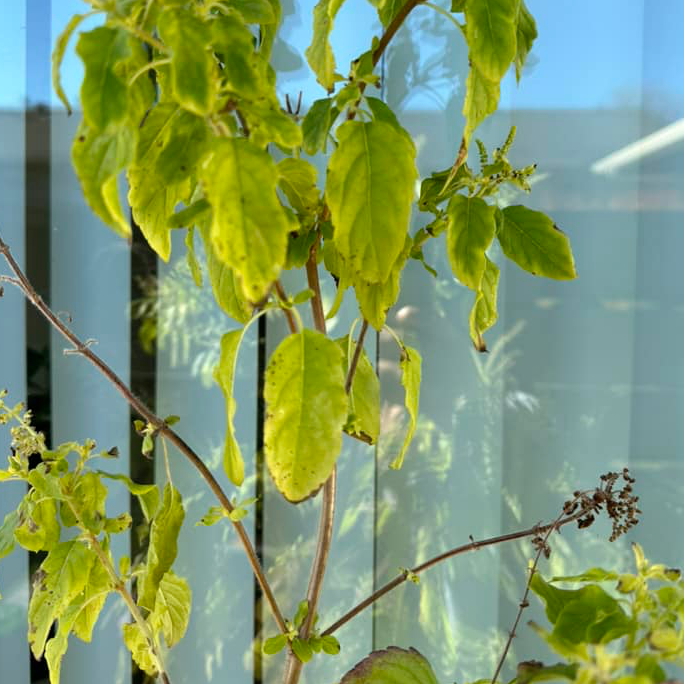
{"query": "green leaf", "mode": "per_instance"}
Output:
(58, 55)
(297, 179)
(98, 158)
(172, 608)
(191, 62)
(163, 546)
(458, 5)
(269, 123)
(254, 11)
(56, 647)
(244, 70)
(533, 671)
(300, 615)
(388, 9)
(224, 374)
(491, 35)
(381, 112)
(591, 575)
(225, 284)
(302, 650)
(526, 34)
(147, 494)
(481, 100)
(39, 529)
(369, 192)
(269, 31)
(316, 125)
(119, 524)
(103, 93)
(140, 649)
(190, 215)
(364, 398)
(664, 639)
(306, 410)
(470, 231)
(330, 644)
(141, 93)
(171, 145)
(275, 644)
(212, 516)
(249, 225)
(410, 379)
(319, 54)
(536, 244)
(483, 315)
(393, 664)
(647, 666)
(61, 577)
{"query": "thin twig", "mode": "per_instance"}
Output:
(355, 359)
(470, 546)
(291, 323)
(542, 547)
(162, 428)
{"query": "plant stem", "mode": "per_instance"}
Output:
(293, 666)
(164, 430)
(394, 26)
(472, 546)
(315, 285)
(291, 323)
(355, 359)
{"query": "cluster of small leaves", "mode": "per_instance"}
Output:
(528, 238)
(149, 432)
(216, 513)
(78, 573)
(303, 647)
(632, 636)
(621, 505)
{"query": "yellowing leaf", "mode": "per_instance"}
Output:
(526, 32)
(297, 179)
(483, 315)
(224, 282)
(58, 54)
(98, 158)
(369, 192)
(536, 244)
(254, 11)
(319, 54)
(364, 398)
(249, 225)
(410, 379)
(95, 594)
(172, 608)
(61, 577)
(491, 35)
(192, 64)
(269, 123)
(140, 649)
(306, 410)
(375, 299)
(103, 92)
(396, 665)
(163, 546)
(316, 125)
(39, 529)
(224, 374)
(481, 100)
(470, 231)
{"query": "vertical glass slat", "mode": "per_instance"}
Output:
(14, 582)
(217, 646)
(90, 276)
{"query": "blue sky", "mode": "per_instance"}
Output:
(590, 53)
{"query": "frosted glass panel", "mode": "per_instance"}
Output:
(14, 655)
(581, 377)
